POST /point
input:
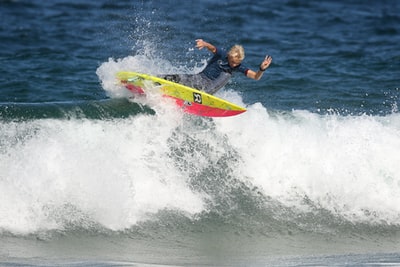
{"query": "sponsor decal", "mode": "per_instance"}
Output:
(197, 98)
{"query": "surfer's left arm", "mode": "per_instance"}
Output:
(264, 65)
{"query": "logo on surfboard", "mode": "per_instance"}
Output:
(197, 98)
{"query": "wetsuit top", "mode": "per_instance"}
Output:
(219, 64)
(214, 76)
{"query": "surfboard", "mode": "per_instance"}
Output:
(191, 100)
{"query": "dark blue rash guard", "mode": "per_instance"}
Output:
(219, 63)
(213, 77)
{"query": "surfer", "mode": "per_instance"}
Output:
(219, 68)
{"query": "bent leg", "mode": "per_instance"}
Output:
(191, 80)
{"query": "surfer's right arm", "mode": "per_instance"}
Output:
(200, 44)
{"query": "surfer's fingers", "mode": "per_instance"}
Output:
(267, 60)
(200, 43)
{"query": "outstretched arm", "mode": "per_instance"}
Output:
(264, 65)
(200, 44)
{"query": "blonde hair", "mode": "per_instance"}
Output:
(237, 51)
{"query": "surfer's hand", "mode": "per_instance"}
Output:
(265, 64)
(200, 44)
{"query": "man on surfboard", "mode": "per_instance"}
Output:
(219, 68)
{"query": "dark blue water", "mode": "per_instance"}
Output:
(309, 175)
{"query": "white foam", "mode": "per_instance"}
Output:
(348, 165)
(114, 173)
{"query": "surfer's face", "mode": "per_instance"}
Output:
(234, 61)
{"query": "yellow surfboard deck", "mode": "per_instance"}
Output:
(191, 100)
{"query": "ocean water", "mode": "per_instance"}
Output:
(308, 176)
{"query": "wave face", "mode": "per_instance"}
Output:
(273, 181)
(109, 171)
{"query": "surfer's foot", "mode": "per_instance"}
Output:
(172, 77)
